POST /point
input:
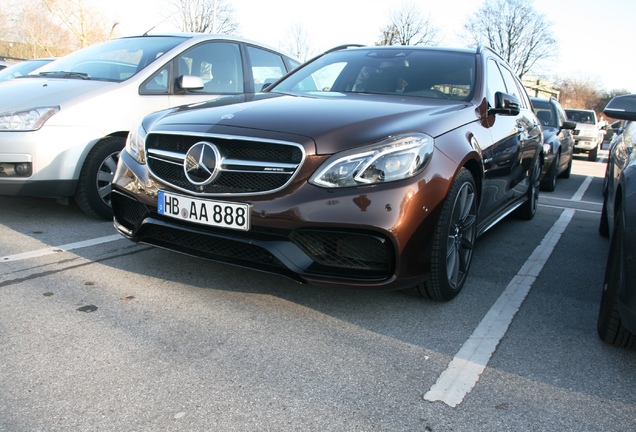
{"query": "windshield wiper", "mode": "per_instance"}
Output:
(64, 74)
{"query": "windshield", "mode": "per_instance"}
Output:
(115, 60)
(21, 69)
(580, 116)
(545, 113)
(404, 71)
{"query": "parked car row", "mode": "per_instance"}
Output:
(376, 167)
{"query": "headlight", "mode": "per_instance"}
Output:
(547, 148)
(395, 158)
(135, 143)
(26, 120)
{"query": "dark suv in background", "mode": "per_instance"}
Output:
(558, 142)
(374, 167)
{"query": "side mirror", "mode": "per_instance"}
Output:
(568, 124)
(189, 82)
(505, 104)
(622, 107)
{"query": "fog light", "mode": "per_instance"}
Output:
(22, 169)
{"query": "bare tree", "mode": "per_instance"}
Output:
(206, 16)
(88, 25)
(33, 30)
(39, 35)
(407, 26)
(515, 29)
(580, 91)
(297, 42)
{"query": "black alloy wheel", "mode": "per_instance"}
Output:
(453, 240)
(529, 208)
(548, 183)
(566, 174)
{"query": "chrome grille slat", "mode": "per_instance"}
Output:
(247, 166)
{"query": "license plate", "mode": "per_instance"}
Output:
(203, 211)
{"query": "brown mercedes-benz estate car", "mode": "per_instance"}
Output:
(374, 167)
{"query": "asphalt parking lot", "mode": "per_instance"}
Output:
(98, 334)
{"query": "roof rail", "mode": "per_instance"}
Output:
(345, 46)
(337, 48)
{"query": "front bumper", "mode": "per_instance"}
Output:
(376, 237)
(46, 162)
(584, 145)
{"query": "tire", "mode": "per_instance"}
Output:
(603, 225)
(548, 183)
(609, 324)
(453, 241)
(95, 182)
(566, 174)
(529, 208)
(593, 154)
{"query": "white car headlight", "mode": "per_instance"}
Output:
(135, 143)
(26, 120)
(395, 158)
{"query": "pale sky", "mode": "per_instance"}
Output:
(595, 37)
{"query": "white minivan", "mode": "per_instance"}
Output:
(61, 130)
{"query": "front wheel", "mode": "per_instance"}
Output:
(609, 325)
(566, 174)
(453, 240)
(603, 225)
(548, 183)
(529, 208)
(593, 154)
(95, 182)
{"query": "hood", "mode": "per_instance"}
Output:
(334, 122)
(23, 93)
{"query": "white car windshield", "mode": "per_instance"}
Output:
(115, 60)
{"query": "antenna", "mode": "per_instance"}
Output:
(158, 24)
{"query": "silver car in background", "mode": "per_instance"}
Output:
(61, 130)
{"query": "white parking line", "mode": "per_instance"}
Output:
(464, 370)
(578, 196)
(62, 248)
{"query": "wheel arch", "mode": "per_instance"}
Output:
(89, 148)
(475, 168)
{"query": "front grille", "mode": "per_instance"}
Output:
(346, 253)
(245, 166)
